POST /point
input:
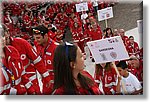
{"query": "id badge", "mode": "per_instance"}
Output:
(13, 91)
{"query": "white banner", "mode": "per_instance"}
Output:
(108, 50)
(105, 13)
(82, 7)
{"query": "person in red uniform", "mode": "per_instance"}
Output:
(35, 20)
(141, 53)
(96, 32)
(88, 33)
(138, 65)
(59, 35)
(61, 19)
(106, 76)
(131, 68)
(74, 19)
(16, 9)
(45, 48)
(133, 47)
(27, 20)
(8, 21)
(69, 76)
(13, 75)
(124, 38)
(78, 36)
(32, 62)
(50, 12)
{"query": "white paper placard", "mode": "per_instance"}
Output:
(108, 50)
(105, 13)
(82, 7)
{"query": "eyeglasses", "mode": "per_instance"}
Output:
(35, 31)
(67, 44)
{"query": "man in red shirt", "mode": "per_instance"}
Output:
(133, 47)
(137, 64)
(12, 74)
(124, 38)
(30, 59)
(96, 32)
(45, 48)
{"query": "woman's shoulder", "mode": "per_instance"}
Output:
(87, 74)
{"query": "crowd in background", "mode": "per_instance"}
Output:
(62, 23)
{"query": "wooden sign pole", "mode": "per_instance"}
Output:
(106, 23)
(124, 89)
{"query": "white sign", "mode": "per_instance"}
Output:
(82, 7)
(108, 50)
(105, 13)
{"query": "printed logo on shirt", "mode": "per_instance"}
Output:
(23, 57)
(128, 84)
(48, 62)
(109, 78)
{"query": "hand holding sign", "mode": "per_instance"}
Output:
(108, 50)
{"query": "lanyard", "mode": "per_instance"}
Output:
(48, 46)
(42, 56)
(45, 48)
(10, 72)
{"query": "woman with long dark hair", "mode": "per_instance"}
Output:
(109, 33)
(69, 77)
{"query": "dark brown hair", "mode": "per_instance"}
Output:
(63, 77)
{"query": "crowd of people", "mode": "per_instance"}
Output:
(34, 42)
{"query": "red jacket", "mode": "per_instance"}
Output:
(47, 54)
(133, 49)
(77, 35)
(27, 21)
(141, 53)
(13, 72)
(88, 35)
(52, 35)
(108, 79)
(28, 55)
(50, 12)
(125, 41)
(96, 34)
(140, 72)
